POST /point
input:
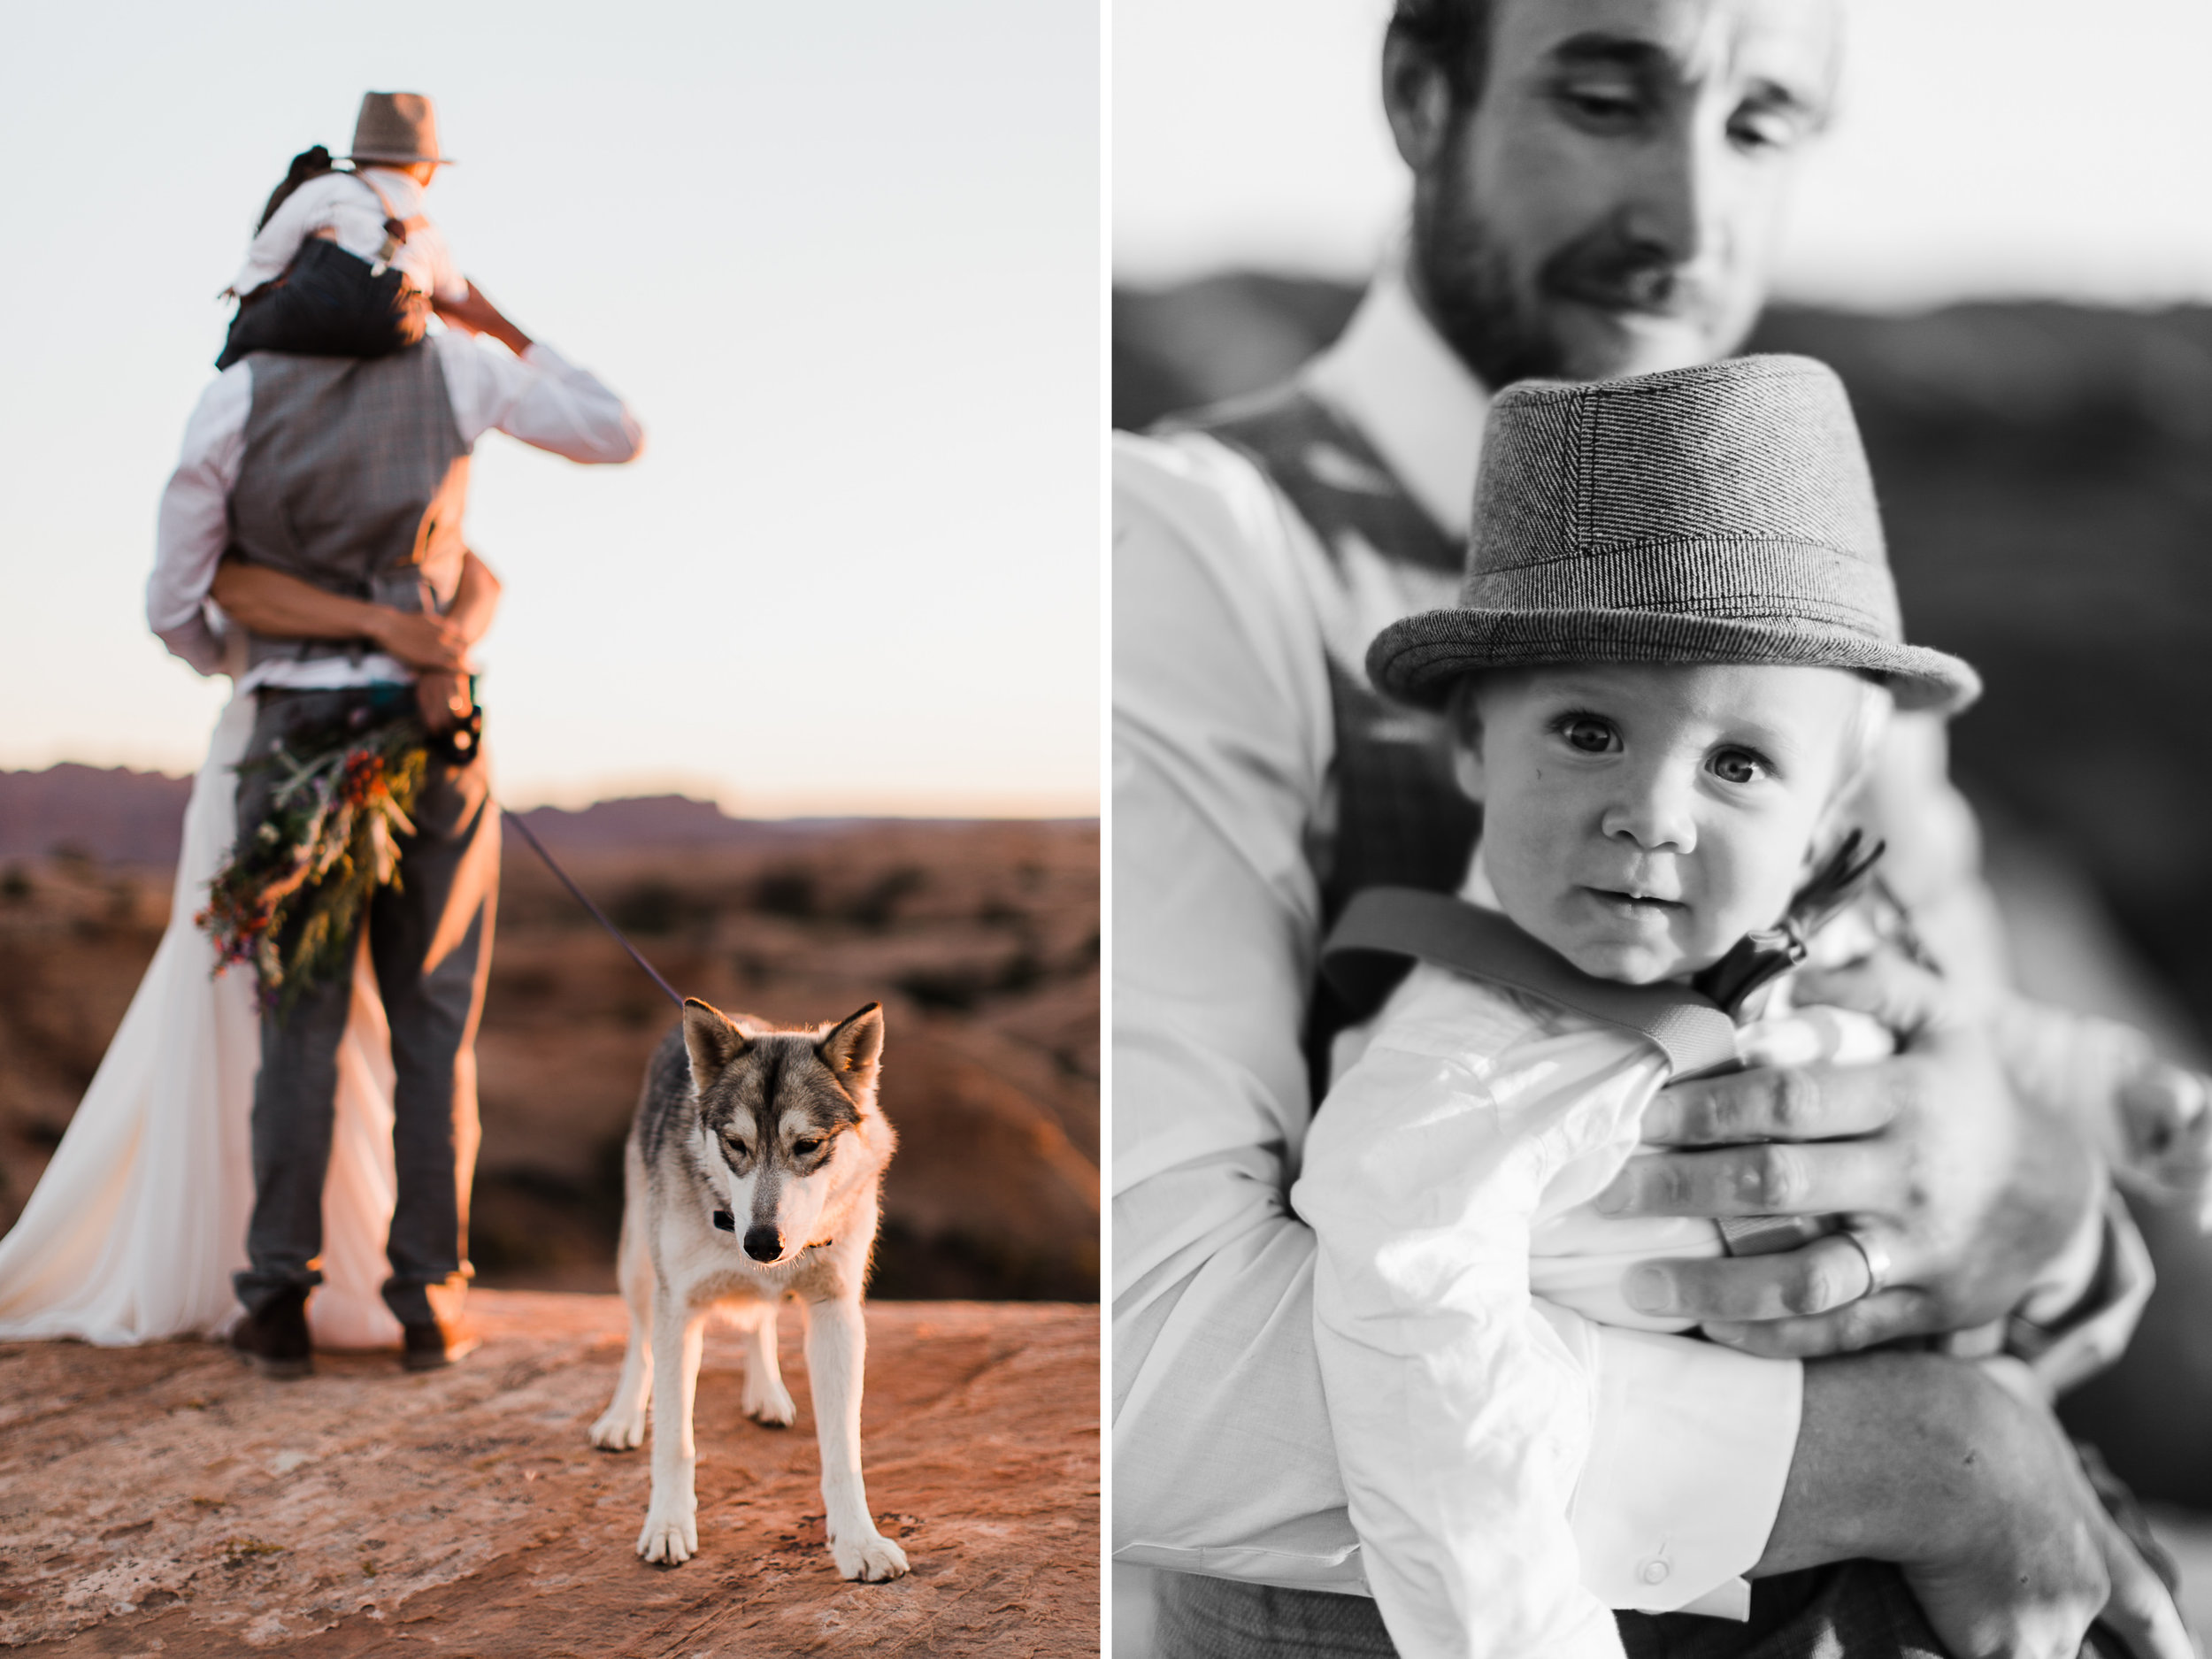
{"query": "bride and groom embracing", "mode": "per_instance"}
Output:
(252, 1135)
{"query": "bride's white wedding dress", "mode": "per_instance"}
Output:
(140, 1219)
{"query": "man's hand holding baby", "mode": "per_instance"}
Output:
(1972, 1191)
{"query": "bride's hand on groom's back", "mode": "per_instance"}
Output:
(422, 640)
(443, 701)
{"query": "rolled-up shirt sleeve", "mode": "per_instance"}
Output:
(194, 525)
(1224, 1456)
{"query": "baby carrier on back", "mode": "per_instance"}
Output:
(330, 303)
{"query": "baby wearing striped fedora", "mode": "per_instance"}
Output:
(1676, 652)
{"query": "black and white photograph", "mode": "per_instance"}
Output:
(1659, 636)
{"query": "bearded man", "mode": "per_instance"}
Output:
(1598, 189)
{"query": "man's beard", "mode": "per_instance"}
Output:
(1472, 299)
(1500, 326)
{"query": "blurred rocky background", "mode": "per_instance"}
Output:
(980, 939)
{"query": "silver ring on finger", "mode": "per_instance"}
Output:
(1878, 1266)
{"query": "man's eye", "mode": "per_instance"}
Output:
(1592, 737)
(1764, 130)
(1733, 765)
(1603, 104)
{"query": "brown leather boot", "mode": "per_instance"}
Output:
(275, 1337)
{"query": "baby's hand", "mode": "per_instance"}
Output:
(2166, 1113)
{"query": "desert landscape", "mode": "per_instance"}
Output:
(166, 1499)
(980, 939)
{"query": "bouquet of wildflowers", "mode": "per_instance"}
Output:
(287, 898)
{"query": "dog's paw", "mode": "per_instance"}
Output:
(769, 1403)
(868, 1556)
(618, 1431)
(673, 1539)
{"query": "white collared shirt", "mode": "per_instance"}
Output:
(539, 397)
(346, 207)
(1224, 607)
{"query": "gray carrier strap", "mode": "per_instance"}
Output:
(1382, 926)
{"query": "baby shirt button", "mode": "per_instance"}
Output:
(1655, 1572)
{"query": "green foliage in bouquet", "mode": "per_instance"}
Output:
(288, 897)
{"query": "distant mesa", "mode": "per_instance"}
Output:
(112, 814)
(118, 816)
(648, 823)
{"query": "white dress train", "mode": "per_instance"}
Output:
(140, 1220)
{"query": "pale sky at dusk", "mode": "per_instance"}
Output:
(1984, 147)
(843, 262)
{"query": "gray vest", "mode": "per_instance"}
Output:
(354, 478)
(1401, 818)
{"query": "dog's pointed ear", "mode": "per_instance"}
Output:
(852, 1047)
(713, 1039)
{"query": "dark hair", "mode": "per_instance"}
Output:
(308, 164)
(1454, 35)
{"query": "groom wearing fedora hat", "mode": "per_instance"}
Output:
(396, 130)
(1596, 189)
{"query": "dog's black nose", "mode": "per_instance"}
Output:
(764, 1244)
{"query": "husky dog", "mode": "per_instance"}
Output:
(751, 1171)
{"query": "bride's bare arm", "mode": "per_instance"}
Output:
(270, 601)
(475, 599)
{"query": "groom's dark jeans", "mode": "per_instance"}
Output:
(430, 939)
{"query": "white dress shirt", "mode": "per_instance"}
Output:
(347, 208)
(1463, 1279)
(540, 398)
(1224, 607)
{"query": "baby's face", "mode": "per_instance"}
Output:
(1639, 820)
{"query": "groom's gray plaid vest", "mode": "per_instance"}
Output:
(353, 478)
(1401, 818)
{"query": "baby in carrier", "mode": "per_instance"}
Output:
(344, 263)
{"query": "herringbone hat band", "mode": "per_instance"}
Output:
(1718, 514)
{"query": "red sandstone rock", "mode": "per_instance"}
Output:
(166, 1500)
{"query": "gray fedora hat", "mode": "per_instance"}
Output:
(1717, 514)
(396, 127)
